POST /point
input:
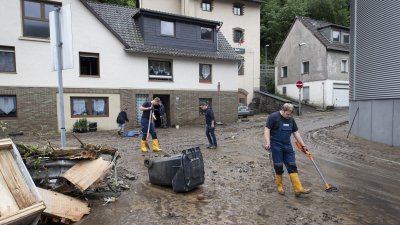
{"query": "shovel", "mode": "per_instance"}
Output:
(270, 160)
(148, 129)
(328, 187)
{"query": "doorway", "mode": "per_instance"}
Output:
(165, 100)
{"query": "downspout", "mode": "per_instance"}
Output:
(354, 50)
(220, 25)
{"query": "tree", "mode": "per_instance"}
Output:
(130, 3)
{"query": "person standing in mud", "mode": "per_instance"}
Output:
(279, 127)
(146, 121)
(210, 125)
(121, 119)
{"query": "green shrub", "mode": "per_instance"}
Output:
(81, 125)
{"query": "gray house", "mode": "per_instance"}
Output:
(316, 53)
(375, 71)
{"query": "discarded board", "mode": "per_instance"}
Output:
(20, 200)
(62, 207)
(86, 172)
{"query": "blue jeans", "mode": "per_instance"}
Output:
(282, 153)
(210, 133)
(145, 124)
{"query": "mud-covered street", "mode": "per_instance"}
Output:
(239, 187)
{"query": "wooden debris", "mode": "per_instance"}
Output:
(63, 208)
(20, 201)
(85, 173)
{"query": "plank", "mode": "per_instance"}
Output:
(15, 181)
(86, 172)
(5, 144)
(63, 206)
(23, 216)
(8, 206)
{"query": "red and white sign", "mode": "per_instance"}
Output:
(299, 84)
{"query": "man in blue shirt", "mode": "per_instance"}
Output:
(210, 125)
(278, 129)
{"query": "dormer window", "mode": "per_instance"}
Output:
(345, 38)
(206, 33)
(206, 6)
(336, 36)
(167, 28)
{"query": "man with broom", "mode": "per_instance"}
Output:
(148, 125)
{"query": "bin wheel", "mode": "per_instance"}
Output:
(148, 162)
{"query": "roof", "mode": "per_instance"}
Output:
(255, 1)
(120, 21)
(316, 25)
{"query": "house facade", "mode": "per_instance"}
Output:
(122, 57)
(316, 53)
(241, 27)
(375, 71)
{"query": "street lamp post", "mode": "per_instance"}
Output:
(301, 44)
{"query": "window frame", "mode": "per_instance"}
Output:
(208, 81)
(236, 7)
(284, 90)
(156, 77)
(241, 38)
(303, 67)
(208, 5)
(89, 98)
(42, 15)
(284, 71)
(346, 67)
(161, 30)
(333, 39)
(9, 49)
(343, 34)
(212, 34)
(89, 55)
(16, 107)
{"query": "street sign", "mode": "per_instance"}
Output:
(299, 84)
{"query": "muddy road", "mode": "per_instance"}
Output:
(239, 186)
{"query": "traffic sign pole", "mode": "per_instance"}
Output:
(299, 85)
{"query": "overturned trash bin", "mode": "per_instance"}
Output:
(184, 172)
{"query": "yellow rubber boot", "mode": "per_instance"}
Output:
(143, 146)
(298, 188)
(279, 184)
(156, 147)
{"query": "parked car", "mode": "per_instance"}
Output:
(244, 111)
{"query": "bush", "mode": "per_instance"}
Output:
(81, 125)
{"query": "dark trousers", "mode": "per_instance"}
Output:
(283, 154)
(210, 133)
(145, 125)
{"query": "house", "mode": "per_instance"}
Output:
(316, 53)
(241, 27)
(122, 57)
(375, 72)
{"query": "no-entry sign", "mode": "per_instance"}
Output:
(299, 84)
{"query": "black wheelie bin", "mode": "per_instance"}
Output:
(183, 172)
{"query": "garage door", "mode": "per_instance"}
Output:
(340, 97)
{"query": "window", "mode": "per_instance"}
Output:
(167, 28)
(237, 9)
(205, 72)
(206, 6)
(89, 106)
(305, 67)
(346, 38)
(35, 17)
(160, 70)
(344, 66)
(238, 36)
(242, 101)
(8, 106)
(208, 101)
(206, 33)
(89, 64)
(241, 67)
(335, 36)
(284, 71)
(7, 59)
(284, 90)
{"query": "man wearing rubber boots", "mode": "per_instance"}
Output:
(148, 125)
(278, 129)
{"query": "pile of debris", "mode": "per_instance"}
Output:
(49, 183)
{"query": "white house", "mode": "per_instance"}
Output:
(122, 56)
(241, 27)
(316, 53)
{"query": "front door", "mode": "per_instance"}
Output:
(165, 100)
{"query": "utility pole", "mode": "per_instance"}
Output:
(301, 44)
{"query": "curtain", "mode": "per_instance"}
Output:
(79, 106)
(205, 71)
(98, 106)
(7, 104)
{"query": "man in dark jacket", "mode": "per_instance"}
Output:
(210, 125)
(121, 119)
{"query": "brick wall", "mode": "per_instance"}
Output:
(37, 109)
